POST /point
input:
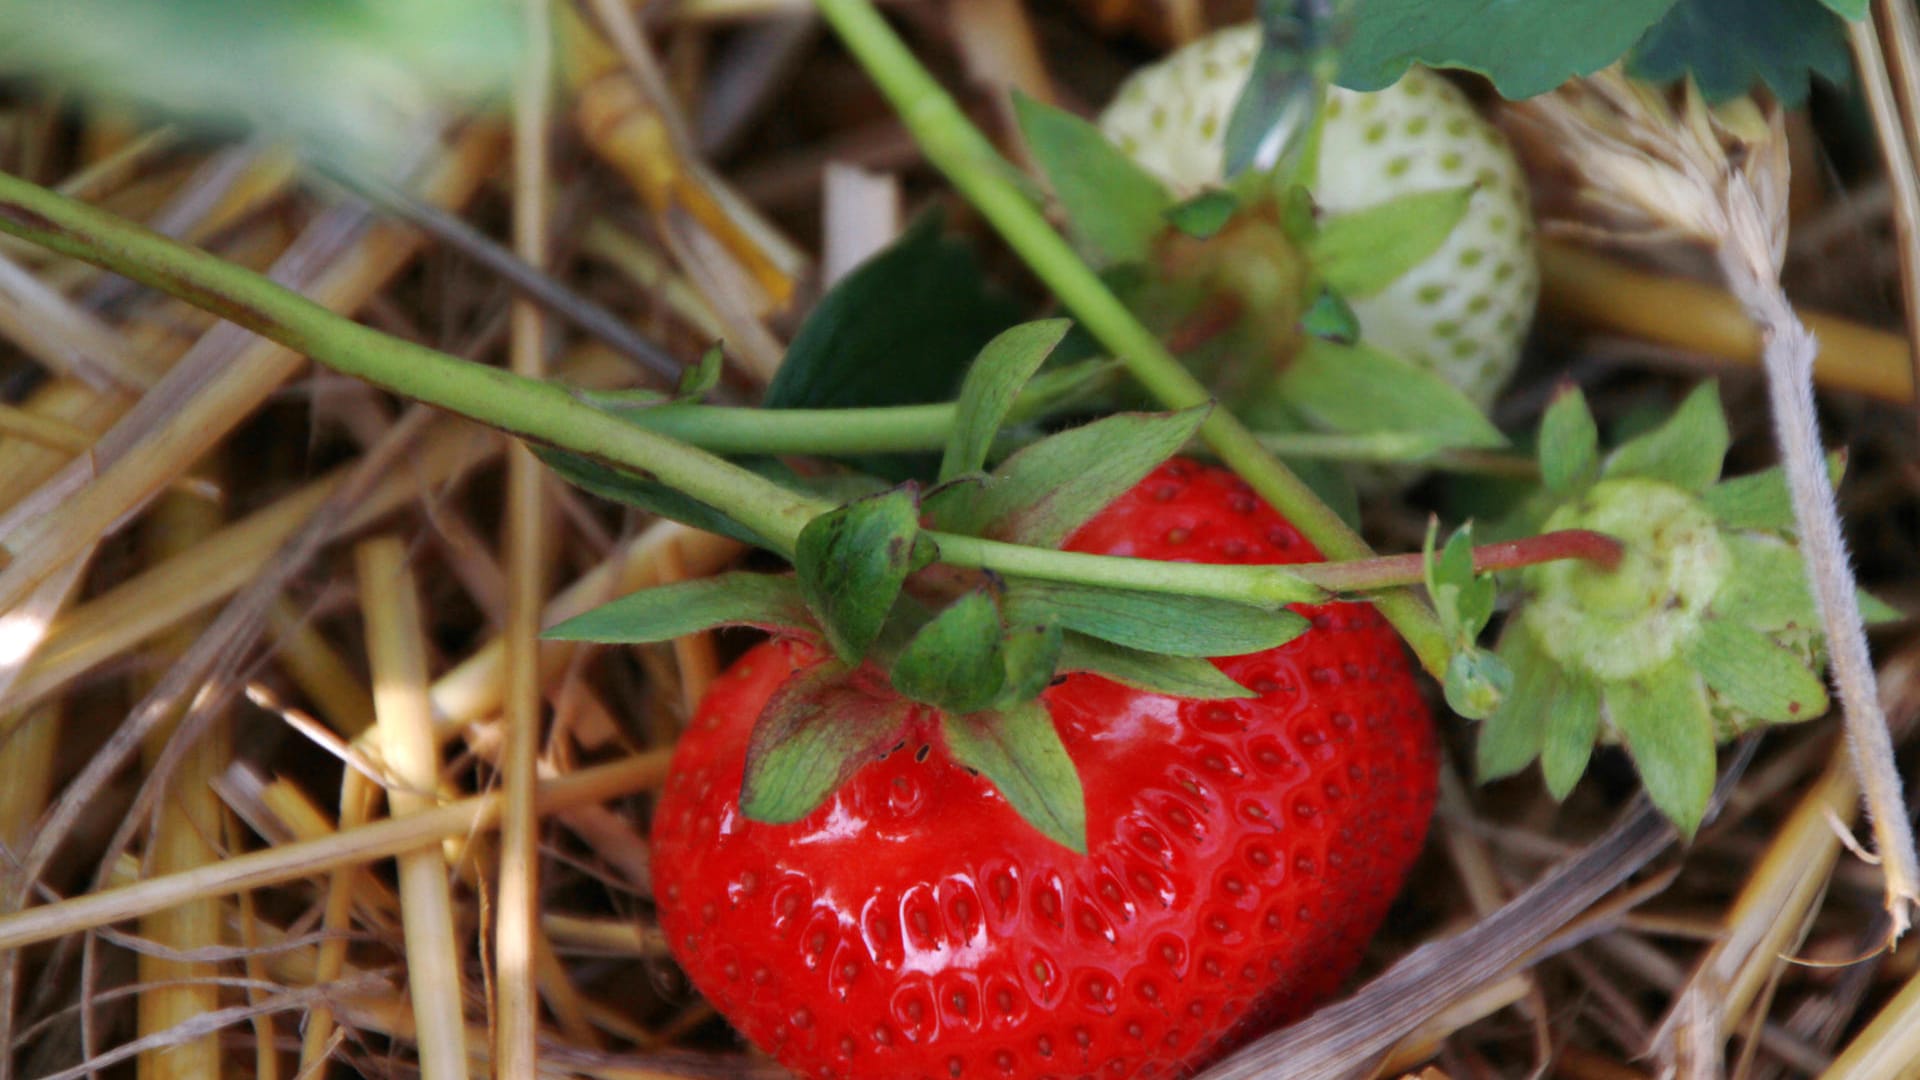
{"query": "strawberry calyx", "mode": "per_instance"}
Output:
(1705, 630)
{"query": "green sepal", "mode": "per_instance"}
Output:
(1019, 752)
(1572, 722)
(815, 732)
(1686, 451)
(852, 561)
(704, 375)
(956, 661)
(1174, 676)
(1357, 388)
(1875, 611)
(633, 489)
(992, 384)
(1041, 494)
(1766, 587)
(1203, 216)
(1512, 737)
(1032, 656)
(1755, 675)
(1155, 622)
(1114, 207)
(666, 612)
(1668, 727)
(1761, 500)
(1330, 318)
(1476, 682)
(1463, 599)
(1361, 252)
(1569, 442)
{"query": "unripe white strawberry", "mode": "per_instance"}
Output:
(1463, 312)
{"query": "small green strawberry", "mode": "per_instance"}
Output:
(1705, 630)
(1463, 311)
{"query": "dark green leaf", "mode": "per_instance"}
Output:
(1525, 48)
(1731, 46)
(669, 611)
(1569, 442)
(1476, 683)
(815, 732)
(1756, 676)
(647, 494)
(1572, 721)
(1363, 251)
(1155, 622)
(1513, 736)
(1274, 113)
(1032, 655)
(1761, 500)
(1203, 216)
(1175, 676)
(852, 561)
(1040, 495)
(1669, 731)
(1357, 388)
(1330, 318)
(899, 330)
(1114, 207)
(703, 376)
(1687, 451)
(1767, 586)
(955, 662)
(1020, 753)
(991, 386)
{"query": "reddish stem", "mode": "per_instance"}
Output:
(1389, 571)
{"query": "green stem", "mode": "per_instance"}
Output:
(538, 411)
(1260, 586)
(958, 149)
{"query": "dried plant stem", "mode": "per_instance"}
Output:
(516, 911)
(356, 803)
(189, 818)
(1889, 1047)
(1896, 130)
(397, 651)
(1788, 356)
(1590, 288)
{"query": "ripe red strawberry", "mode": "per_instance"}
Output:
(1240, 852)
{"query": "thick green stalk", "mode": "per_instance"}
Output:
(958, 149)
(538, 411)
(1261, 586)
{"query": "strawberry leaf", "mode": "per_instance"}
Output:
(1361, 252)
(1729, 46)
(1512, 737)
(852, 562)
(955, 662)
(1463, 600)
(992, 384)
(1040, 495)
(1572, 722)
(815, 732)
(669, 611)
(1524, 48)
(923, 297)
(1113, 206)
(1156, 622)
(1761, 500)
(1020, 753)
(1669, 731)
(1569, 442)
(703, 376)
(1357, 388)
(1755, 675)
(1175, 676)
(648, 494)
(1032, 655)
(1687, 451)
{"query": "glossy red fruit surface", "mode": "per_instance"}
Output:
(1240, 852)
